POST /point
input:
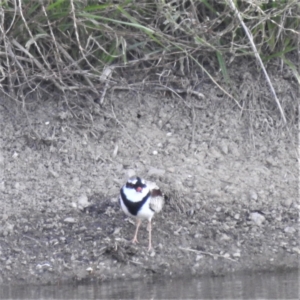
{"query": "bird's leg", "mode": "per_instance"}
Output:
(149, 228)
(138, 223)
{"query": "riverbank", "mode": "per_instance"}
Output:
(231, 186)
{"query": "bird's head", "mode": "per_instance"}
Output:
(136, 183)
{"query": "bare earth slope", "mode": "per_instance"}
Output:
(231, 189)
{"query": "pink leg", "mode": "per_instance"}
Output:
(138, 223)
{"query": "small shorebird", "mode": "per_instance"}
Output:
(141, 200)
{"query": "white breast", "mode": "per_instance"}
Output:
(151, 206)
(135, 196)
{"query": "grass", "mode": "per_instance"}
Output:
(77, 47)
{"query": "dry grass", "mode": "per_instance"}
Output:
(85, 48)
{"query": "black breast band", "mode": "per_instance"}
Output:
(133, 207)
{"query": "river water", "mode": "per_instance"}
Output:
(255, 286)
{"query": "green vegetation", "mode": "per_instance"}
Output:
(77, 46)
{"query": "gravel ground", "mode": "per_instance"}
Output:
(230, 182)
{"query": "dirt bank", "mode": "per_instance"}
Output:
(231, 185)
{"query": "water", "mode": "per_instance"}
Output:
(257, 286)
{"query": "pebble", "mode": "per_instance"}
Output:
(115, 152)
(53, 173)
(152, 253)
(224, 148)
(43, 266)
(15, 155)
(70, 220)
(237, 254)
(154, 152)
(2, 186)
(237, 216)
(253, 195)
(287, 202)
(271, 161)
(289, 229)
(225, 237)
(198, 257)
(215, 193)
(83, 202)
(257, 218)
(296, 249)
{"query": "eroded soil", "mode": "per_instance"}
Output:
(231, 186)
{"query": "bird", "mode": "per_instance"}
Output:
(141, 200)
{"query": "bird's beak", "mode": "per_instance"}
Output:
(139, 189)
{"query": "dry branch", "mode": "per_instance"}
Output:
(250, 37)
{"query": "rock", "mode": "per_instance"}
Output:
(237, 216)
(215, 193)
(53, 173)
(289, 229)
(225, 237)
(224, 147)
(70, 220)
(237, 254)
(2, 186)
(296, 249)
(270, 160)
(115, 152)
(76, 183)
(257, 218)
(253, 195)
(287, 202)
(198, 257)
(15, 154)
(83, 202)
(44, 266)
(7, 229)
(171, 170)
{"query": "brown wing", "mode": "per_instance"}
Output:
(157, 200)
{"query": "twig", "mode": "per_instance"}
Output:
(33, 239)
(135, 262)
(207, 253)
(250, 37)
(79, 44)
(39, 65)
